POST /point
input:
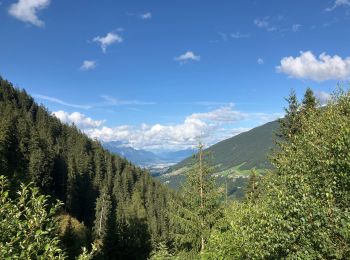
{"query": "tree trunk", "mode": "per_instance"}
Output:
(201, 191)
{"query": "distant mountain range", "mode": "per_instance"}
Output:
(147, 159)
(232, 159)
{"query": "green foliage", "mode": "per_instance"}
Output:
(73, 235)
(303, 212)
(253, 188)
(28, 226)
(198, 210)
(161, 252)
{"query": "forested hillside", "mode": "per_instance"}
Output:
(104, 197)
(232, 159)
(248, 149)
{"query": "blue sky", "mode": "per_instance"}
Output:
(165, 74)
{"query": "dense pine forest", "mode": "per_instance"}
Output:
(64, 196)
(105, 198)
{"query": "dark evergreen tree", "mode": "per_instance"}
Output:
(309, 100)
(290, 124)
(199, 209)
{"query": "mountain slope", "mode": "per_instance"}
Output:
(248, 149)
(232, 159)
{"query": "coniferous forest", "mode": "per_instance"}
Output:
(105, 198)
(63, 196)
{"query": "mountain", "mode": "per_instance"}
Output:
(175, 156)
(138, 157)
(233, 158)
(154, 161)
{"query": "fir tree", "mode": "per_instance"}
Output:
(290, 124)
(103, 214)
(199, 209)
(309, 100)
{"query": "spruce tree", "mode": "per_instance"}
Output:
(199, 209)
(290, 124)
(309, 100)
(103, 214)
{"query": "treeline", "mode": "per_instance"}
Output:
(114, 203)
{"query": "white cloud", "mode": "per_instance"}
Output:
(308, 66)
(260, 61)
(338, 3)
(296, 27)
(146, 16)
(61, 102)
(78, 119)
(209, 127)
(264, 23)
(26, 11)
(88, 65)
(107, 40)
(224, 114)
(189, 55)
(323, 97)
(239, 35)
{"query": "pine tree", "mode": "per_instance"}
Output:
(290, 124)
(103, 214)
(199, 209)
(309, 100)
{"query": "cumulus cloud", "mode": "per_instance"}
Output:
(209, 127)
(322, 68)
(323, 97)
(264, 23)
(338, 3)
(60, 102)
(260, 61)
(78, 119)
(146, 16)
(107, 40)
(26, 11)
(88, 65)
(188, 56)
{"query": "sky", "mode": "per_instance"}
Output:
(164, 75)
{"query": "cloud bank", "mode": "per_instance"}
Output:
(80, 120)
(209, 127)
